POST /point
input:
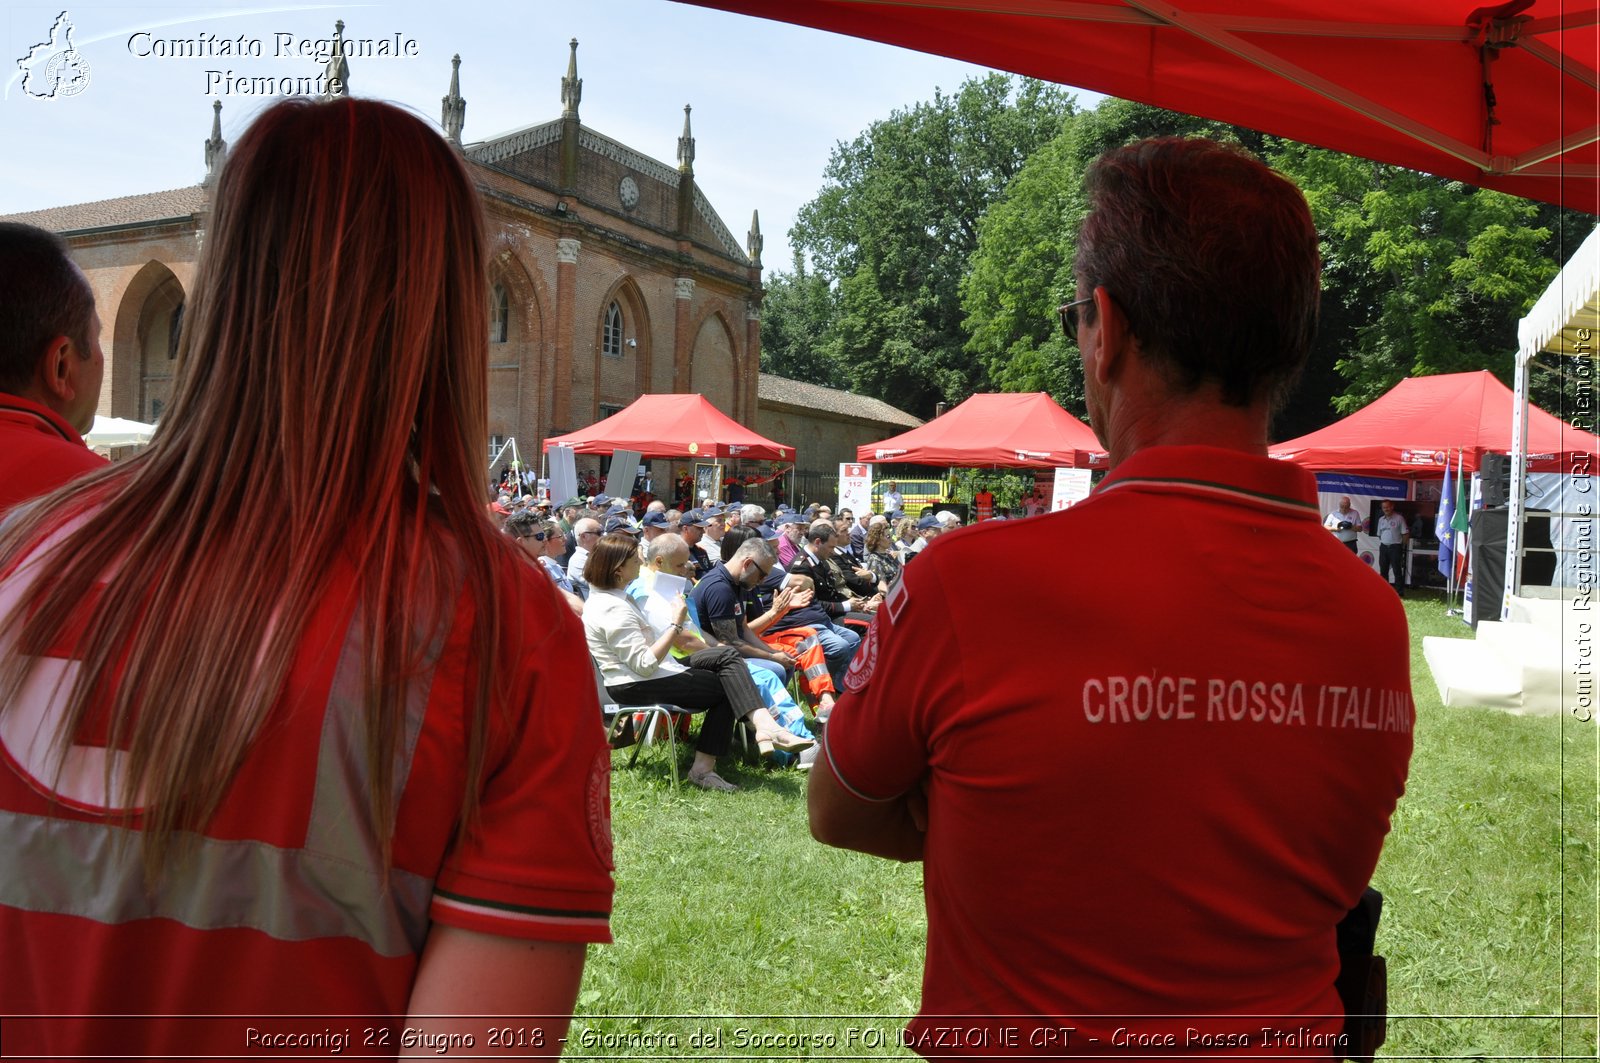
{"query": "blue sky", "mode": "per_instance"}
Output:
(770, 101)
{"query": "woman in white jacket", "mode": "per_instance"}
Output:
(638, 667)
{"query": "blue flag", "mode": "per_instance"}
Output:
(1442, 529)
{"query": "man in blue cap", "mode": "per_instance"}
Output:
(654, 525)
(693, 529)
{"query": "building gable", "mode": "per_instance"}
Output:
(533, 154)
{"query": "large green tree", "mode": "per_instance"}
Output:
(890, 235)
(1421, 275)
(1021, 269)
(796, 322)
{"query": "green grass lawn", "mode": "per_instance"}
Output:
(728, 914)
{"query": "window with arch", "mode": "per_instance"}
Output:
(499, 314)
(174, 330)
(611, 338)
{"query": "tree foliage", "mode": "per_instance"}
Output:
(1022, 267)
(890, 234)
(1420, 275)
(796, 317)
(931, 263)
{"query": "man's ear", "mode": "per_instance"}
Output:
(54, 376)
(1111, 336)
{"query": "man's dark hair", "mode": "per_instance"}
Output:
(42, 296)
(1213, 259)
(524, 523)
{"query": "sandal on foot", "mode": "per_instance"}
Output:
(782, 739)
(710, 780)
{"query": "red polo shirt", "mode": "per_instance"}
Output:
(38, 451)
(1156, 781)
(282, 928)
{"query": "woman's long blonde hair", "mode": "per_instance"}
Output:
(330, 402)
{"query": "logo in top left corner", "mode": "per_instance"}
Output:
(54, 68)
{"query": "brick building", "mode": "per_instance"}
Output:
(824, 425)
(610, 275)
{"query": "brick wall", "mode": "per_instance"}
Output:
(821, 441)
(631, 256)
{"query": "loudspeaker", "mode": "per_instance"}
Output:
(1488, 560)
(1538, 569)
(1496, 476)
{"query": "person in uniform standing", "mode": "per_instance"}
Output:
(1149, 823)
(1345, 523)
(1394, 535)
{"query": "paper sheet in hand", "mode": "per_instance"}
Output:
(661, 604)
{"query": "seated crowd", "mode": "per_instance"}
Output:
(720, 610)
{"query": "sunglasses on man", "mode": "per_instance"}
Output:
(1069, 317)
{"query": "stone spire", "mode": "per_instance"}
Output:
(754, 242)
(216, 147)
(337, 71)
(571, 85)
(454, 115)
(686, 146)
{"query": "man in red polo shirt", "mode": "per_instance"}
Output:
(1142, 818)
(50, 365)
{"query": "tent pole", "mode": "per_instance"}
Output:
(1450, 576)
(1519, 477)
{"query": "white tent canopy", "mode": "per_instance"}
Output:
(118, 432)
(1564, 321)
(1570, 303)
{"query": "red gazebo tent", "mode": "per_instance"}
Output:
(1400, 81)
(1410, 429)
(1012, 431)
(673, 426)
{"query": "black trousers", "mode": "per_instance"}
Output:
(717, 681)
(1392, 558)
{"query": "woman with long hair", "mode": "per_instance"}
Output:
(311, 739)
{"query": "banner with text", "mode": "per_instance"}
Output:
(855, 488)
(1072, 486)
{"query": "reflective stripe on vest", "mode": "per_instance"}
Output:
(332, 888)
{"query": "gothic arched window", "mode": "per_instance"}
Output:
(499, 315)
(611, 338)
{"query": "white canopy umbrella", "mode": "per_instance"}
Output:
(118, 432)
